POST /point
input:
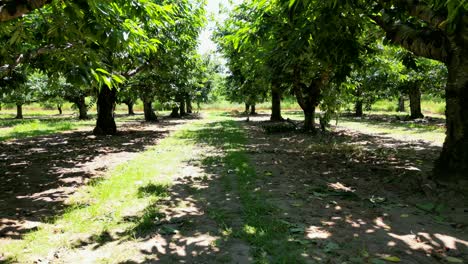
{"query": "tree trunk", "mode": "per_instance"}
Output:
(150, 116)
(19, 111)
(253, 110)
(105, 124)
(358, 103)
(175, 112)
(82, 107)
(358, 108)
(309, 120)
(275, 105)
(130, 105)
(452, 164)
(189, 105)
(247, 108)
(59, 108)
(415, 102)
(401, 104)
(182, 108)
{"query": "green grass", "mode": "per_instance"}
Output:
(268, 234)
(99, 208)
(13, 129)
(397, 130)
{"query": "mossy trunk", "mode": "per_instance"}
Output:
(105, 124)
(275, 105)
(150, 116)
(452, 164)
(19, 111)
(415, 102)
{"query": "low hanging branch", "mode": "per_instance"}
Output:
(11, 9)
(425, 42)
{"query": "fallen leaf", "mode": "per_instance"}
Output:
(453, 260)
(392, 259)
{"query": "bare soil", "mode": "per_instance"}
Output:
(361, 197)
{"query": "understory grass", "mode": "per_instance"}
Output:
(403, 129)
(102, 206)
(262, 228)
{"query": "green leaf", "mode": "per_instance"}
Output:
(330, 247)
(453, 260)
(392, 259)
(291, 3)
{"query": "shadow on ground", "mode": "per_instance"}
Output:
(39, 173)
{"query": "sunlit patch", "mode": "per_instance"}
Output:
(449, 241)
(315, 232)
(380, 223)
(411, 241)
(328, 223)
(391, 243)
(340, 187)
(250, 230)
(370, 231)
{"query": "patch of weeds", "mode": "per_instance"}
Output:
(148, 222)
(262, 226)
(159, 190)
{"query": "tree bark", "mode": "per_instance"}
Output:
(15, 9)
(105, 124)
(358, 108)
(150, 116)
(130, 105)
(275, 105)
(82, 108)
(247, 108)
(59, 108)
(309, 120)
(401, 104)
(175, 112)
(415, 102)
(358, 111)
(182, 108)
(19, 111)
(189, 105)
(452, 164)
(253, 110)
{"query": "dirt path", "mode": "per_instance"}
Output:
(38, 174)
(361, 198)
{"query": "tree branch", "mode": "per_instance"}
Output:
(421, 10)
(425, 42)
(13, 9)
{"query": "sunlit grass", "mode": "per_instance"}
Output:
(101, 206)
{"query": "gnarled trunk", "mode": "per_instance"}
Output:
(401, 104)
(253, 110)
(452, 164)
(19, 111)
(415, 102)
(182, 108)
(105, 124)
(175, 112)
(150, 116)
(275, 105)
